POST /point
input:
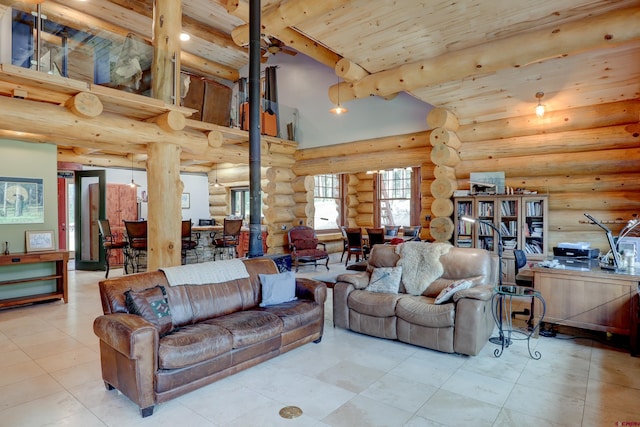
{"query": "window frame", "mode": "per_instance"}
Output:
(341, 201)
(415, 199)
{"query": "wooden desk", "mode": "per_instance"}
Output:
(54, 269)
(596, 299)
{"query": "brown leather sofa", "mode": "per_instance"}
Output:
(218, 329)
(462, 325)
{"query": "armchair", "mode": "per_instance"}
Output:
(303, 243)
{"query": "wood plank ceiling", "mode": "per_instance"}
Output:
(578, 52)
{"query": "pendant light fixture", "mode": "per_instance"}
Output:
(540, 106)
(338, 109)
(133, 183)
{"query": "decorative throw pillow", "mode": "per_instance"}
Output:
(446, 294)
(385, 280)
(153, 306)
(278, 288)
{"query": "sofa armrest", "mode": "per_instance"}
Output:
(359, 280)
(129, 334)
(341, 291)
(482, 293)
(311, 289)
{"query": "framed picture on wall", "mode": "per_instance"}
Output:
(40, 241)
(185, 201)
(21, 200)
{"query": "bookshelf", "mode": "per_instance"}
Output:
(522, 220)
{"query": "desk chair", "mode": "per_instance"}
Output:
(137, 237)
(229, 240)
(111, 242)
(520, 259)
(187, 243)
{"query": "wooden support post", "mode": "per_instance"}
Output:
(163, 165)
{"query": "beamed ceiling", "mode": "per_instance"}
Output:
(482, 59)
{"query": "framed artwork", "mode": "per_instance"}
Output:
(185, 201)
(21, 200)
(40, 241)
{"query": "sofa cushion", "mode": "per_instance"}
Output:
(152, 305)
(385, 280)
(278, 288)
(374, 303)
(249, 327)
(447, 293)
(295, 314)
(193, 344)
(420, 310)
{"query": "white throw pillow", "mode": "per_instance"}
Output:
(278, 288)
(446, 294)
(385, 280)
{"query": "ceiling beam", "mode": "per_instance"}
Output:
(606, 30)
(290, 37)
(84, 22)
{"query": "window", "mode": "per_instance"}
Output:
(398, 197)
(327, 202)
(240, 203)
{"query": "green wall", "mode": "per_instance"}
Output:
(30, 160)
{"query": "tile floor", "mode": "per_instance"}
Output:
(50, 376)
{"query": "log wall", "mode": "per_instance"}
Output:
(587, 159)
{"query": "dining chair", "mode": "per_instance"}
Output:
(111, 242)
(229, 240)
(376, 236)
(137, 237)
(355, 245)
(411, 233)
(344, 241)
(188, 244)
(391, 230)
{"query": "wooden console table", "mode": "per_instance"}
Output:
(15, 276)
(594, 299)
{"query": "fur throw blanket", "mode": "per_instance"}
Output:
(420, 264)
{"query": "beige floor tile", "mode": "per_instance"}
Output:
(452, 409)
(477, 386)
(19, 372)
(399, 392)
(351, 376)
(27, 390)
(550, 406)
(554, 380)
(43, 411)
(67, 359)
(513, 418)
(613, 397)
(361, 411)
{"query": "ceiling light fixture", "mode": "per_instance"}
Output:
(539, 107)
(338, 109)
(184, 37)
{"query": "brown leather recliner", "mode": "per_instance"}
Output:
(217, 330)
(462, 325)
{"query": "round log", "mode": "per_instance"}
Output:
(365, 208)
(215, 139)
(278, 241)
(352, 212)
(279, 200)
(350, 71)
(278, 215)
(442, 207)
(85, 104)
(303, 183)
(304, 210)
(425, 187)
(442, 118)
(577, 183)
(441, 229)
(278, 188)
(364, 220)
(352, 201)
(305, 197)
(427, 171)
(218, 211)
(443, 188)
(352, 180)
(280, 174)
(445, 136)
(444, 155)
(571, 220)
(170, 121)
(365, 197)
(605, 201)
(365, 185)
(444, 172)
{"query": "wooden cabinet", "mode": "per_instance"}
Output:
(522, 220)
(121, 205)
(33, 277)
(243, 243)
(598, 300)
